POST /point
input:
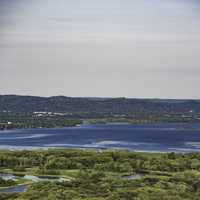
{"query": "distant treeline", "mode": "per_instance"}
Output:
(60, 111)
(62, 104)
(30, 120)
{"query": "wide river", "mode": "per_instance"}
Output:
(152, 138)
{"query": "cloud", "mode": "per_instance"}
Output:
(100, 48)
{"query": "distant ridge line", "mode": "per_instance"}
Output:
(99, 98)
(120, 105)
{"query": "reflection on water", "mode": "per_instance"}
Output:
(133, 177)
(7, 177)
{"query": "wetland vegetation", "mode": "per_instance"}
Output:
(96, 175)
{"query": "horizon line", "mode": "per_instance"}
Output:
(102, 97)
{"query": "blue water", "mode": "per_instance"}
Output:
(14, 189)
(154, 137)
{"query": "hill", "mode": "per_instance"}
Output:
(15, 103)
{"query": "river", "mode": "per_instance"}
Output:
(149, 137)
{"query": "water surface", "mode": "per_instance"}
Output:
(14, 189)
(153, 137)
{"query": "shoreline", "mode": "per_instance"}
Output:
(31, 148)
(106, 123)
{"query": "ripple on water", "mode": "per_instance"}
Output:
(25, 136)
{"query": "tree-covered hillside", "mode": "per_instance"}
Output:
(59, 111)
(16, 103)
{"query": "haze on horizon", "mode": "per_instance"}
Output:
(100, 48)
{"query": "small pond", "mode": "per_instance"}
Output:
(22, 188)
(14, 189)
(133, 177)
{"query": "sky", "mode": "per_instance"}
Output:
(100, 48)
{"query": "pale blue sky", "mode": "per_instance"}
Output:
(132, 48)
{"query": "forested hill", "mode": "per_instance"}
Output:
(63, 104)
